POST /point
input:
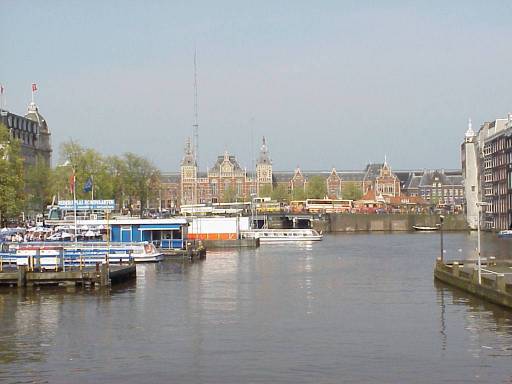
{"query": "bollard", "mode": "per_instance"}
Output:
(492, 261)
(456, 269)
(474, 276)
(22, 276)
(501, 284)
(104, 279)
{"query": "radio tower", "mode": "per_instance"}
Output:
(196, 121)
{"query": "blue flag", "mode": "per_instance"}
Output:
(88, 185)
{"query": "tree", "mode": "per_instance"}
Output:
(352, 191)
(298, 194)
(12, 184)
(280, 193)
(265, 190)
(139, 179)
(87, 163)
(316, 188)
(229, 195)
(38, 179)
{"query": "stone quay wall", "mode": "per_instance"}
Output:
(345, 222)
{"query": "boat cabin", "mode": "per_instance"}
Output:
(163, 233)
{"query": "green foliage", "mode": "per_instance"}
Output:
(12, 196)
(298, 194)
(265, 190)
(229, 195)
(127, 179)
(280, 193)
(352, 191)
(38, 179)
(140, 179)
(316, 188)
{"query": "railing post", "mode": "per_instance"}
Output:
(456, 269)
(475, 276)
(501, 282)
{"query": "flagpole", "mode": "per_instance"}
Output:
(74, 203)
(92, 187)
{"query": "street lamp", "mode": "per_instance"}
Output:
(479, 205)
(441, 220)
(253, 195)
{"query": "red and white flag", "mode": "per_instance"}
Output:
(34, 87)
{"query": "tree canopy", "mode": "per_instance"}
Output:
(316, 188)
(12, 184)
(352, 191)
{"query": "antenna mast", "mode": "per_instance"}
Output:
(196, 121)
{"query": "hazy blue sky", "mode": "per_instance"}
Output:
(328, 83)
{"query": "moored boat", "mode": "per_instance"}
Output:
(282, 235)
(51, 255)
(505, 234)
(424, 228)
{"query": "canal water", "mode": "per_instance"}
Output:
(354, 308)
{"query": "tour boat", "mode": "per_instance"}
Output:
(507, 233)
(50, 255)
(282, 235)
(424, 228)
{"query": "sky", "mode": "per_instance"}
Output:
(328, 83)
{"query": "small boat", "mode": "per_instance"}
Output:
(424, 228)
(505, 234)
(282, 235)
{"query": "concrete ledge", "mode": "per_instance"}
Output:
(494, 291)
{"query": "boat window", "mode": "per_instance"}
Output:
(266, 234)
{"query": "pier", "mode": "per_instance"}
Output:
(492, 281)
(102, 275)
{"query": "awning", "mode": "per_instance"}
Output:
(159, 227)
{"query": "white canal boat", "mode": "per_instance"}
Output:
(52, 254)
(282, 235)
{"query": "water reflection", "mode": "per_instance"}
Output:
(359, 307)
(489, 326)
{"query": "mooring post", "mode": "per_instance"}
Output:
(104, 272)
(501, 284)
(455, 268)
(476, 275)
(22, 276)
(38, 259)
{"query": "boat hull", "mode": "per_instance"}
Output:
(424, 228)
(283, 236)
(506, 234)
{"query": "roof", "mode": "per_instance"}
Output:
(34, 115)
(220, 159)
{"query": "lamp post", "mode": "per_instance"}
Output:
(479, 205)
(441, 220)
(253, 195)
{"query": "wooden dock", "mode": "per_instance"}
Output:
(103, 275)
(190, 254)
